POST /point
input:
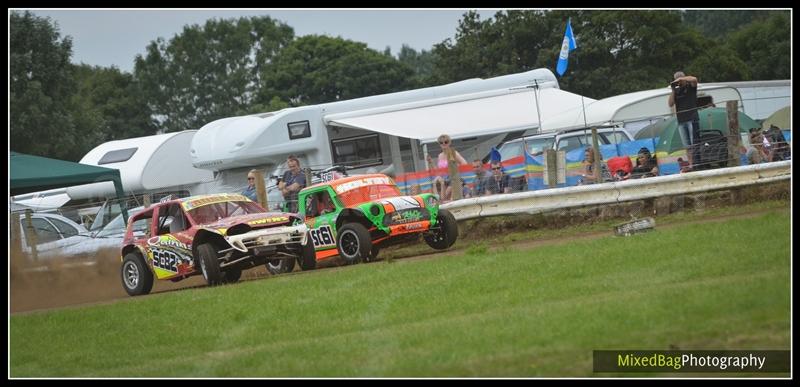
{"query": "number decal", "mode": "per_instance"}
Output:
(322, 236)
(166, 260)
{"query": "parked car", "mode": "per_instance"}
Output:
(353, 217)
(214, 235)
(566, 140)
(53, 234)
(110, 236)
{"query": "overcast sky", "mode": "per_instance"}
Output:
(113, 37)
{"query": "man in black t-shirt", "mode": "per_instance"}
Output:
(292, 182)
(684, 98)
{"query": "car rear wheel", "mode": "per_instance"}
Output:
(354, 243)
(232, 275)
(209, 264)
(445, 233)
(280, 266)
(136, 276)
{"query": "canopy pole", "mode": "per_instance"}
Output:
(121, 196)
(538, 110)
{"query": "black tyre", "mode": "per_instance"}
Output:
(280, 266)
(373, 254)
(137, 279)
(209, 264)
(354, 243)
(232, 276)
(308, 256)
(445, 233)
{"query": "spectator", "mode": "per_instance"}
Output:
(684, 99)
(441, 184)
(250, 191)
(780, 148)
(757, 154)
(479, 186)
(646, 164)
(291, 183)
(499, 181)
(416, 189)
(588, 164)
(684, 165)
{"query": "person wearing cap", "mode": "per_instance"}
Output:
(684, 99)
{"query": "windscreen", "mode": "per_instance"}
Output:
(211, 213)
(368, 193)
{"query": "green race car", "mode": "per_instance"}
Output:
(353, 217)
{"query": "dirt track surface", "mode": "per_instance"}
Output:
(61, 287)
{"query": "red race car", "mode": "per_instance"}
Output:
(213, 235)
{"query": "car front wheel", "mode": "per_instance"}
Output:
(354, 243)
(446, 232)
(136, 276)
(209, 264)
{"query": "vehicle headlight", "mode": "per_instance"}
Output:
(374, 210)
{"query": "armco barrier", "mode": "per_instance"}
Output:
(533, 202)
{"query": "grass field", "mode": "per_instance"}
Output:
(486, 312)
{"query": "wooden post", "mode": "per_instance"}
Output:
(596, 168)
(16, 240)
(550, 168)
(261, 189)
(31, 236)
(732, 108)
(455, 177)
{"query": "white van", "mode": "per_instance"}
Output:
(566, 140)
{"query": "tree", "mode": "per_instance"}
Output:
(40, 85)
(208, 72)
(108, 105)
(765, 47)
(718, 24)
(421, 62)
(317, 69)
(618, 51)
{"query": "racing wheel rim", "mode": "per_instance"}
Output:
(130, 275)
(349, 244)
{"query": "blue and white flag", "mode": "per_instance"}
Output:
(566, 46)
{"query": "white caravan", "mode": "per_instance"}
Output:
(384, 132)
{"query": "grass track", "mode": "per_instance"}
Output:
(505, 312)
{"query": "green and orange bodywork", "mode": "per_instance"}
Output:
(372, 200)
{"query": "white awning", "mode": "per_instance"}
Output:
(471, 115)
(636, 106)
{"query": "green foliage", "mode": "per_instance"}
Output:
(765, 46)
(618, 51)
(421, 62)
(109, 105)
(317, 69)
(717, 24)
(40, 85)
(208, 72)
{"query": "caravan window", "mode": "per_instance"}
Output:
(361, 151)
(300, 129)
(117, 156)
